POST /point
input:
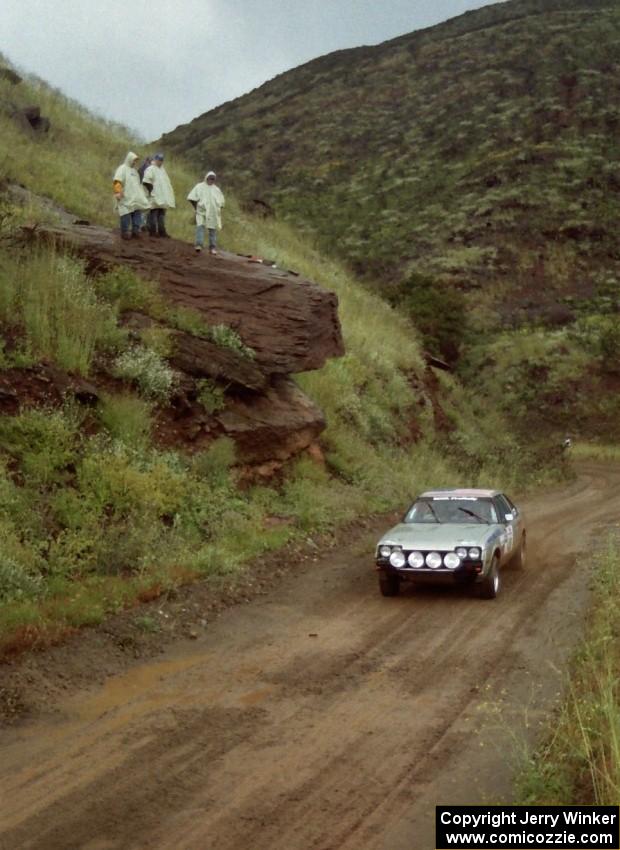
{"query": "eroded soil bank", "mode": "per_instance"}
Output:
(318, 715)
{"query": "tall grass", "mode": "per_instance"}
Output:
(46, 296)
(580, 759)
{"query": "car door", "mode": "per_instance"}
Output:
(518, 522)
(509, 518)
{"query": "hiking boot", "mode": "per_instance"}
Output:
(212, 251)
(197, 249)
(125, 236)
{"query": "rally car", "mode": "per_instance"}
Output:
(453, 536)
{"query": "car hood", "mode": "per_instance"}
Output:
(437, 536)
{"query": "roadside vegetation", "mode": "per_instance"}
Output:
(579, 759)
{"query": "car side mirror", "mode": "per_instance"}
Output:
(509, 517)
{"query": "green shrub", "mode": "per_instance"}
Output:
(210, 395)
(147, 369)
(438, 312)
(16, 583)
(124, 289)
(188, 320)
(126, 418)
(600, 335)
(226, 337)
(119, 483)
(215, 463)
(43, 441)
(157, 339)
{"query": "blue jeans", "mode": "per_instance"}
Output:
(131, 222)
(200, 236)
(157, 222)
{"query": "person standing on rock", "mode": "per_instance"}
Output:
(161, 195)
(130, 198)
(207, 200)
(147, 161)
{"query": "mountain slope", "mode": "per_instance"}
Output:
(463, 151)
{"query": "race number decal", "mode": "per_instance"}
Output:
(510, 536)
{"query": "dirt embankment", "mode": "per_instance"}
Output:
(318, 716)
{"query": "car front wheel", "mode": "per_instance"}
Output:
(388, 585)
(489, 586)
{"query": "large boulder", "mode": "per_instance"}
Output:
(289, 323)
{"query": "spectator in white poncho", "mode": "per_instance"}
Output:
(130, 197)
(207, 200)
(161, 195)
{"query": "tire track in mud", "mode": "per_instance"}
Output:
(266, 737)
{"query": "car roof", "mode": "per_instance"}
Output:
(463, 492)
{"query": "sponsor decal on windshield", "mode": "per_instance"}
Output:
(455, 499)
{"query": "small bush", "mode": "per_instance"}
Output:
(216, 462)
(226, 337)
(157, 339)
(126, 418)
(16, 583)
(437, 310)
(189, 321)
(144, 367)
(210, 396)
(126, 291)
(43, 441)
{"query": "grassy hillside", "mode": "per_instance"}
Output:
(94, 512)
(470, 172)
(439, 150)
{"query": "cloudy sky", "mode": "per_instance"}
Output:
(154, 64)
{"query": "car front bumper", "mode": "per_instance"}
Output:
(469, 571)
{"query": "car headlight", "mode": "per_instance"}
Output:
(433, 560)
(416, 560)
(461, 552)
(397, 558)
(452, 560)
(474, 553)
(385, 551)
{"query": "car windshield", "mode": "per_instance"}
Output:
(452, 509)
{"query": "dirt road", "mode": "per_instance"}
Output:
(324, 716)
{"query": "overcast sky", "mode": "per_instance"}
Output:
(154, 64)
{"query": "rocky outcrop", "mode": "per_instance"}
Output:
(289, 324)
(30, 117)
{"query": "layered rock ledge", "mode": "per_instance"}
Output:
(290, 323)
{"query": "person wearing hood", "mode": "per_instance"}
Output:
(130, 198)
(161, 195)
(207, 200)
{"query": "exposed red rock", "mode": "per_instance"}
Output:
(290, 323)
